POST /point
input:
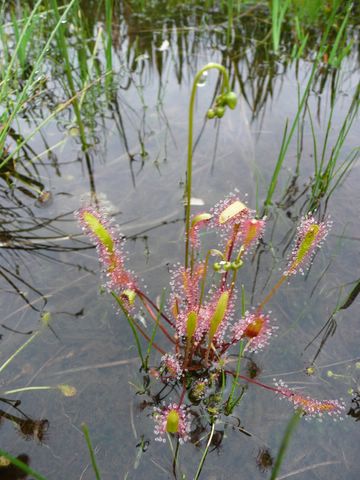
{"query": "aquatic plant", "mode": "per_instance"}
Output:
(201, 319)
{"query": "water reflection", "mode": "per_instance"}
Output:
(11, 472)
(355, 407)
(29, 428)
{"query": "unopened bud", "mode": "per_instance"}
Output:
(231, 100)
(220, 111)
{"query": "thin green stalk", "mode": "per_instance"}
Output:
(344, 169)
(156, 326)
(187, 193)
(203, 458)
(28, 389)
(20, 349)
(108, 26)
(243, 301)
(89, 70)
(174, 453)
(327, 173)
(316, 163)
(23, 466)
(290, 429)
(230, 13)
(230, 402)
(206, 264)
(85, 430)
(132, 326)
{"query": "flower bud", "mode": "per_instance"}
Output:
(230, 99)
(219, 111)
(129, 295)
(220, 101)
(236, 264)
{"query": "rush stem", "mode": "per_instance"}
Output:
(188, 184)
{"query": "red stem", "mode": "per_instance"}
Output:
(230, 250)
(146, 336)
(182, 394)
(144, 296)
(255, 382)
(157, 320)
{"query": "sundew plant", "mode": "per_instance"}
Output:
(203, 317)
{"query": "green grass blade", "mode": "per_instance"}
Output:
(19, 464)
(290, 429)
(85, 430)
(287, 137)
(203, 458)
(11, 358)
(334, 59)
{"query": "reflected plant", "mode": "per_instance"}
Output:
(29, 428)
(200, 320)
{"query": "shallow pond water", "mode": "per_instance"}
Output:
(133, 162)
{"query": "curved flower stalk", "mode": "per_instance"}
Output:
(227, 98)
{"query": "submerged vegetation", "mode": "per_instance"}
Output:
(93, 103)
